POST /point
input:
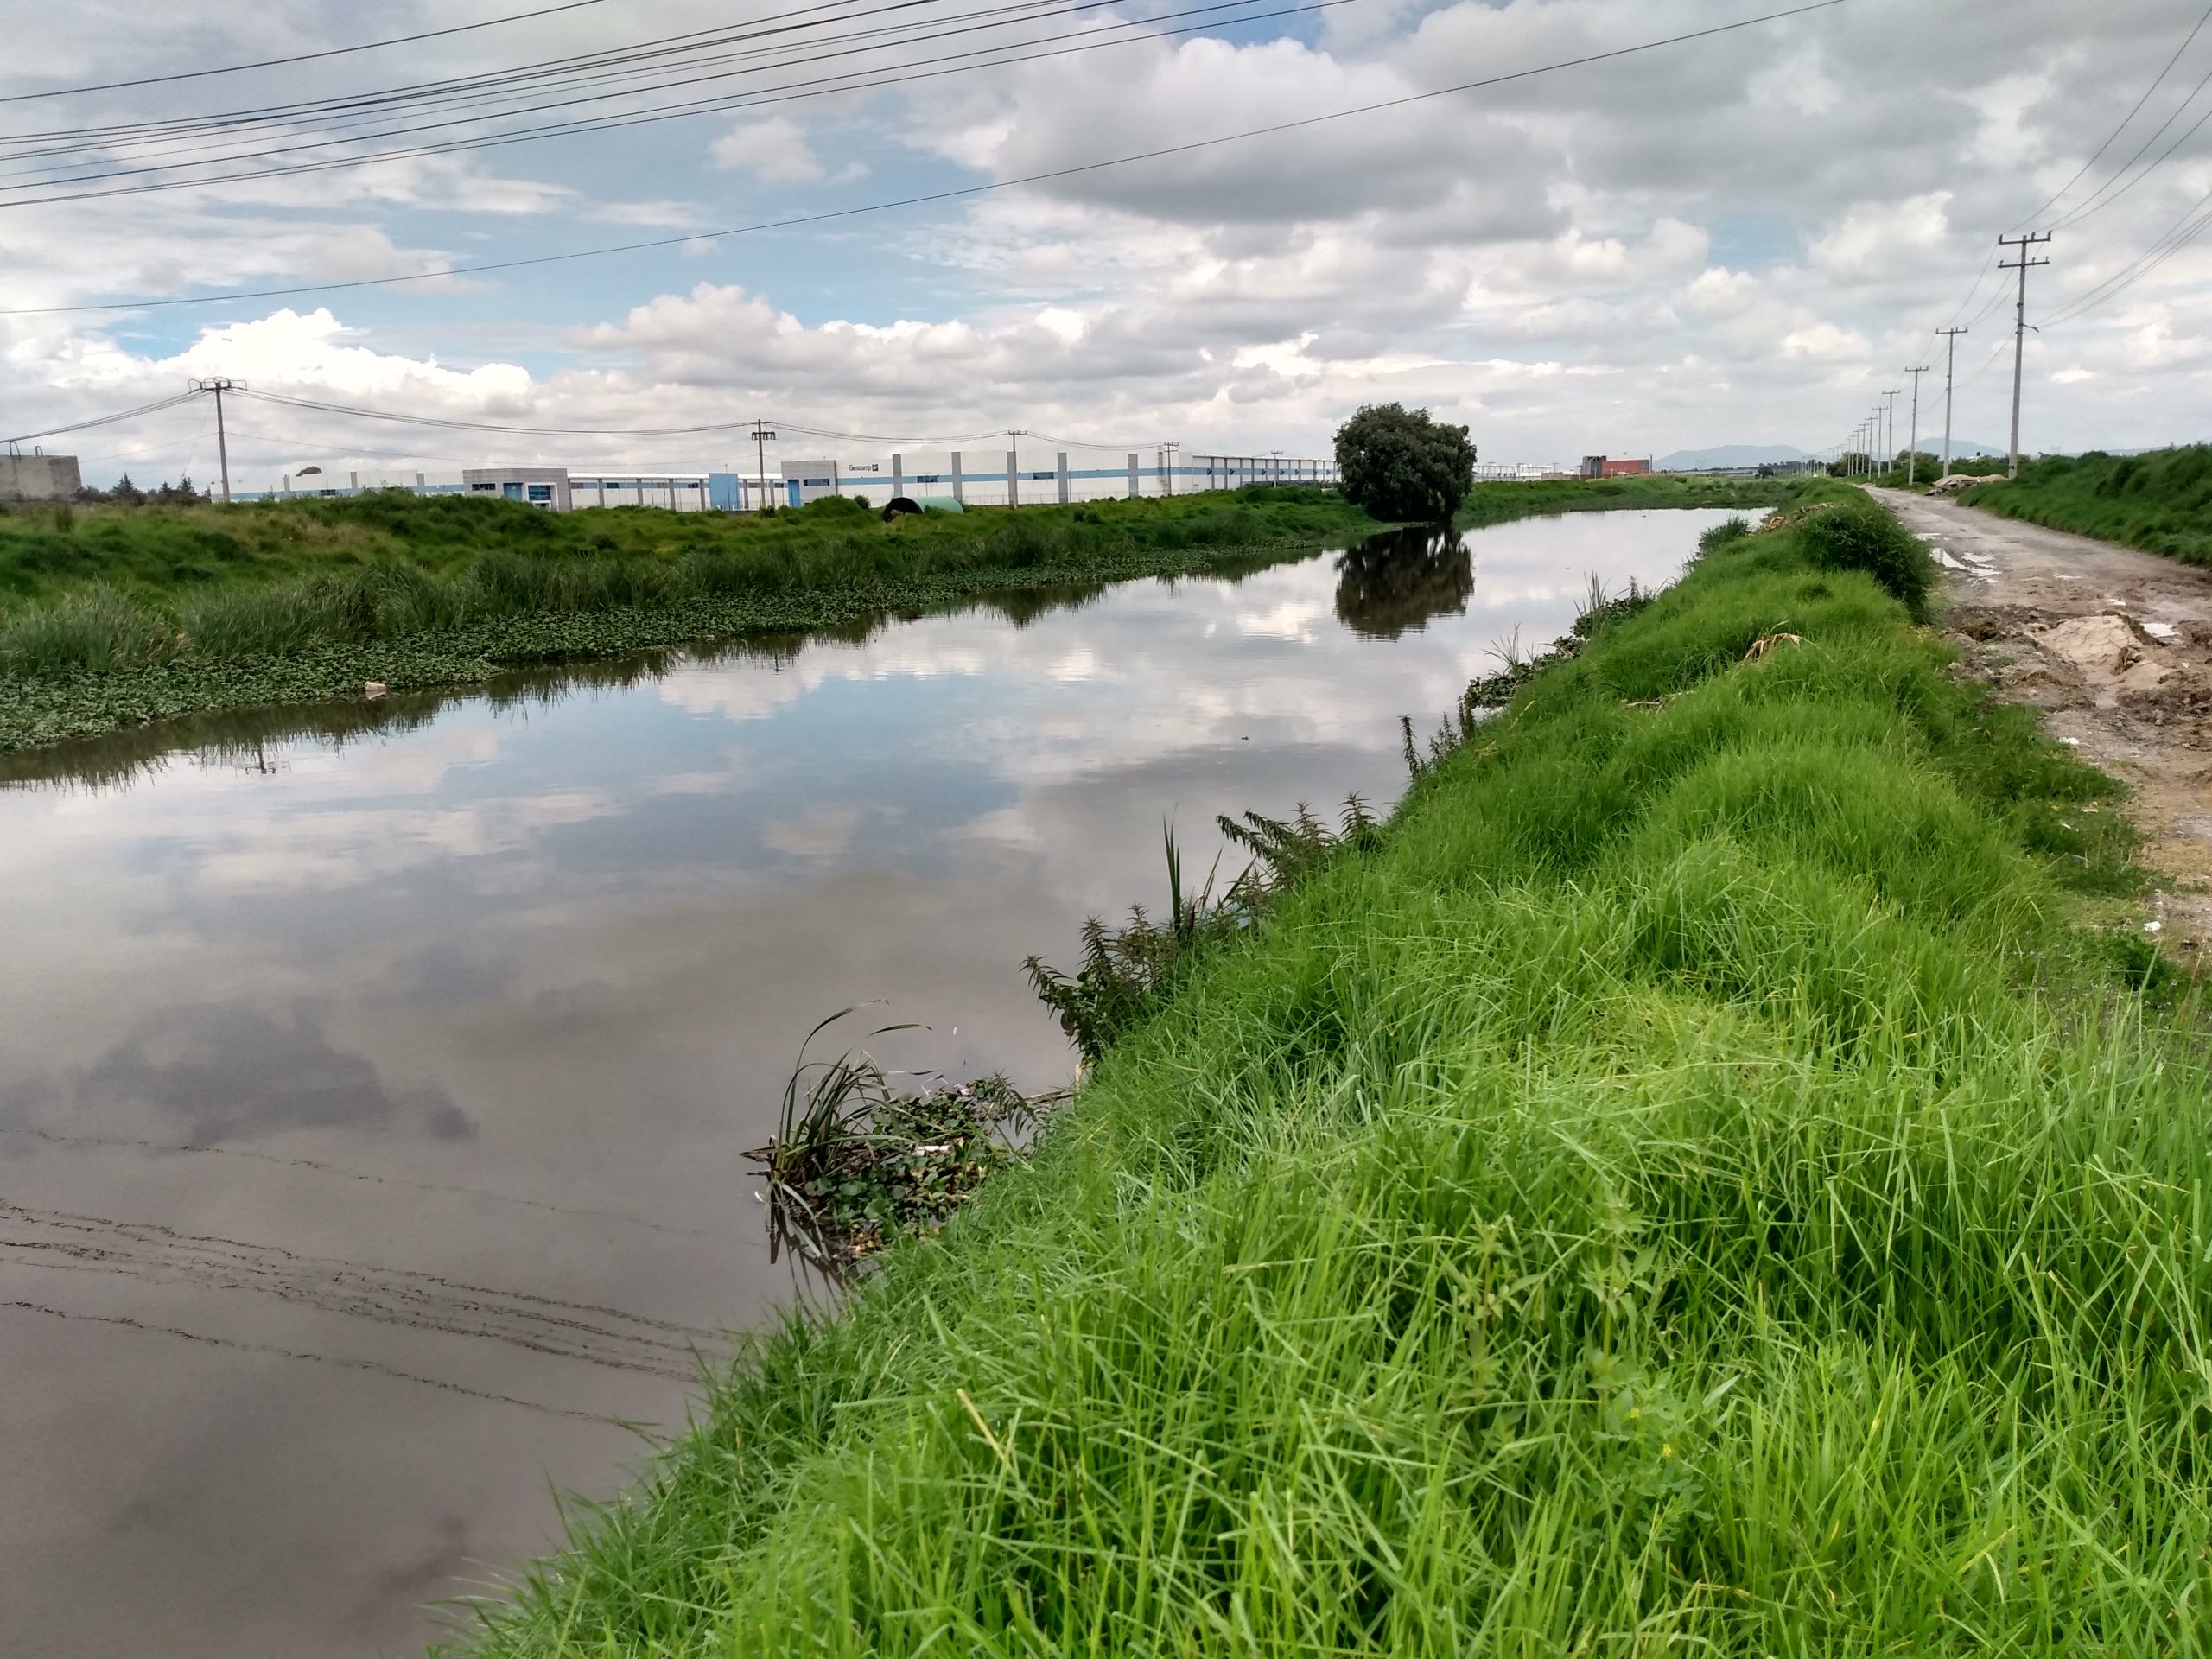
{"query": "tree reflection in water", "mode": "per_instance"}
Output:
(1401, 579)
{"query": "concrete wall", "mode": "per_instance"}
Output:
(38, 478)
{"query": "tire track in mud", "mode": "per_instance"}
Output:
(375, 1366)
(151, 1253)
(57, 1137)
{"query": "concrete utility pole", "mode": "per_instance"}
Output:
(2023, 265)
(761, 433)
(1890, 442)
(1950, 363)
(219, 385)
(1912, 443)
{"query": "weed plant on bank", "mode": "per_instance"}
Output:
(2160, 502)
(1688, 1181)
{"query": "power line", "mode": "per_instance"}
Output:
(928, 198)
(2098, 201)
(822, 87)
(2112, 137)
(582, 70)
(302, 57)
(460, 424)
(103, 420)
(503, 87)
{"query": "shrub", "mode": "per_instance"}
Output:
(1859, 537)
(1729, 529)
(1401, 464)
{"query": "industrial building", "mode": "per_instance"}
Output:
(1009, 477)
(1613, 467)
(39, 477)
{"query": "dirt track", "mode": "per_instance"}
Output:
(2117, 645)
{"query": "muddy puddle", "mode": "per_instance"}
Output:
(376, 1079)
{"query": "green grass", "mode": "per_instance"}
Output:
(101, 587)
(1694, 1185)
(1489, 503)
(2160, 502)
(116, 616)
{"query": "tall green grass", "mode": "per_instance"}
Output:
(1691, 1187)
(2160, 502)
(98, 589)
(112, 588)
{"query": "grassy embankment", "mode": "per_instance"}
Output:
(2160, 502)
(113, 616)
(1695, 1182)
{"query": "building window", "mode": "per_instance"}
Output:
(484, 489)
(541, 492)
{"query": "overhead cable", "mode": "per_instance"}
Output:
(927, 198)
(300, 57)
(578, 67)
(2112, 137)
(823, 86)
(102, 420)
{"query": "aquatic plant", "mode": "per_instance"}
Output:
(856, 1162)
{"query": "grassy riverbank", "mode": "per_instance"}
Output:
(1490, 504)
(1694, 1183)
(116, 616)
(2160, 502)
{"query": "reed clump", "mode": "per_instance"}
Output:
(1698, 1178)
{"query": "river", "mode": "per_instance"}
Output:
(375, 1078)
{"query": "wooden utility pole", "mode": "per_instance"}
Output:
(219, 385)
(2023, 265)
(1912, 441)
(1950, 365)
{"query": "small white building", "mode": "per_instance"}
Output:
(810, 480)
(540, 486)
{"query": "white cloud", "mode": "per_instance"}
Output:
(1884, 233)
(1691, 245)
(776, 151)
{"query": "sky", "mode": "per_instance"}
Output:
(1745, 239)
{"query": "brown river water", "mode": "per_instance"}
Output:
(375, 1078)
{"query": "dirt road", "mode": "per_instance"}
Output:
(2117, 645)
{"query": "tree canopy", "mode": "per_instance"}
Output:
(1401, 464)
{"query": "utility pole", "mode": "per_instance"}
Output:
(219, 385)
(1912, 443)
(2023, 265)
(1950, 363)
(761, 433)
(1890, 442)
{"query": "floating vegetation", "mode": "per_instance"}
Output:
(856, 1163)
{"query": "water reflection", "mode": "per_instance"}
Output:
(475, 1003)
(1404, 580)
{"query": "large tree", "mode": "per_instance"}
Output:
(1399, 463)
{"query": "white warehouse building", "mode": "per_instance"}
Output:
(1012, 476)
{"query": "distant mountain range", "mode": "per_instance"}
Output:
(1764, 455)
(1728, 455)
